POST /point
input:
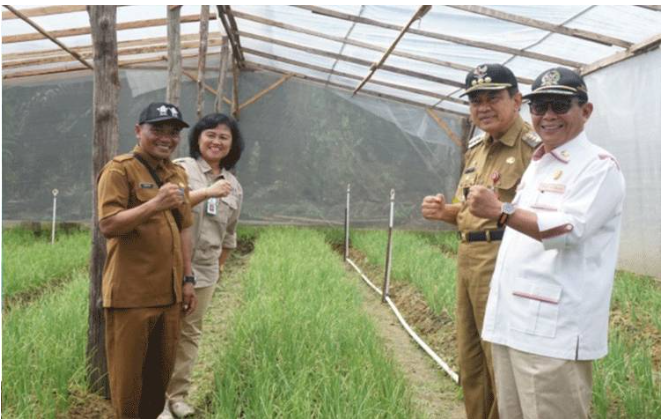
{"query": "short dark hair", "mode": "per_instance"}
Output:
(512, 90)
(212, 121)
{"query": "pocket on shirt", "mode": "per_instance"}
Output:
(534, 307)
(144, 194)
(548, 199)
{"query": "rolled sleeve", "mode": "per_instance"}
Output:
(113, 191)
(230, 238)
(597, 196)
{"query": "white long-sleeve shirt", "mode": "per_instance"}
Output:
(552, 298)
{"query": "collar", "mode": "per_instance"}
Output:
(564, 152)
(207, 169)
(513, 133)
(165, 164)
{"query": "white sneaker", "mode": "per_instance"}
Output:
(181, 410)
(166, 414)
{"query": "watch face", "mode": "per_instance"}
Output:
(508, 208)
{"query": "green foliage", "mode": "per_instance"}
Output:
(29, 262)
(415, 261)
(301, 347)
(446, 240)
(44, 351)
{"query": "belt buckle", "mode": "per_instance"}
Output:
(488, 236)
(463, 236)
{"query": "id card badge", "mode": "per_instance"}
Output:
(212, 206)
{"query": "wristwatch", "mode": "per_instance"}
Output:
(507, 209)
(189, 279)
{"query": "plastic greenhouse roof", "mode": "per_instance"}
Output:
(337, 44)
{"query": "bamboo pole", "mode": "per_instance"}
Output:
(440, 122)
(202, 55)
(223, 67)
(105, 137)
(264, 92)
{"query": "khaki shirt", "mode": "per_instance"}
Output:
(144, 267)
(498, 165)
(211, 232)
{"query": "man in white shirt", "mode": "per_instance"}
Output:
(548, 307)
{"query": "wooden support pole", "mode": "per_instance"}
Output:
(223, 67)
(421, 12)
(262, 93)
(232, 34)
(235, 105)
(49, 36)
(445, 37)
(445, 127)
(105, 142)
(174, 87)
(539, 24)
(202, 55)
(207, 87)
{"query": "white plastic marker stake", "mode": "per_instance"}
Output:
(347, 225)
(387, 266)
(55, 205)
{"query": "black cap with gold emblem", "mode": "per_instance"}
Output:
(559, 81)
(489, 77)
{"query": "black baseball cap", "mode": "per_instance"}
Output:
(489, 77)
(160, 112)
(559, 81)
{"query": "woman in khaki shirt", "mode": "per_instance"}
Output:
(216, 145)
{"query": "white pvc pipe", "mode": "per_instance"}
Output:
(347, 224)
(408, 329)
(55, 204)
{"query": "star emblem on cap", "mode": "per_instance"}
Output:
(551, 78)
(163, 110)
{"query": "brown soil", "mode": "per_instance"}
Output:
(434, 392)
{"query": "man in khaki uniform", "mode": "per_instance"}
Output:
(496, 160)
(145, 215)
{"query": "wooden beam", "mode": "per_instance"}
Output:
(202, 55)
(232, 34)
(325, 83)
(45, 11)
(9, 39)
(206, 86)
(174, 86)
(440, 122)
(355, 77)
(49, 36)
(262, 93)
(340, 39)
(539, 24)
(354, 60)
(448, 38)
(655, 7)
(223, 68)
(105, 127)
(635, 50)
(421, 12)
(235, 105)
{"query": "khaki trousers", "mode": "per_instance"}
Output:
(140, 351)
(187, 346)
(532, 386)
(476, 262)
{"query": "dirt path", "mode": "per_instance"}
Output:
(435, 394)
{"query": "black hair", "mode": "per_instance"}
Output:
(512, 90)
(212, 121)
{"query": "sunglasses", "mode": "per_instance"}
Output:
(558, 105)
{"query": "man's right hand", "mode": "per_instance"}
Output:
(169, 196)
(432, 208)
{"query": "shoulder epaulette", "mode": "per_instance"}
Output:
(532, 139)
(475, 141)
(123, 157)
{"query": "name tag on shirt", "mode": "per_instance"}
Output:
(552, 187)
(147, 185)
(212, 206)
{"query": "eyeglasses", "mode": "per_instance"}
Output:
(559, 106)
(165, 130)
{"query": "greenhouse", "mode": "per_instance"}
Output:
(341, 108)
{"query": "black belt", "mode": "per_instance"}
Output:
(481, 236)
